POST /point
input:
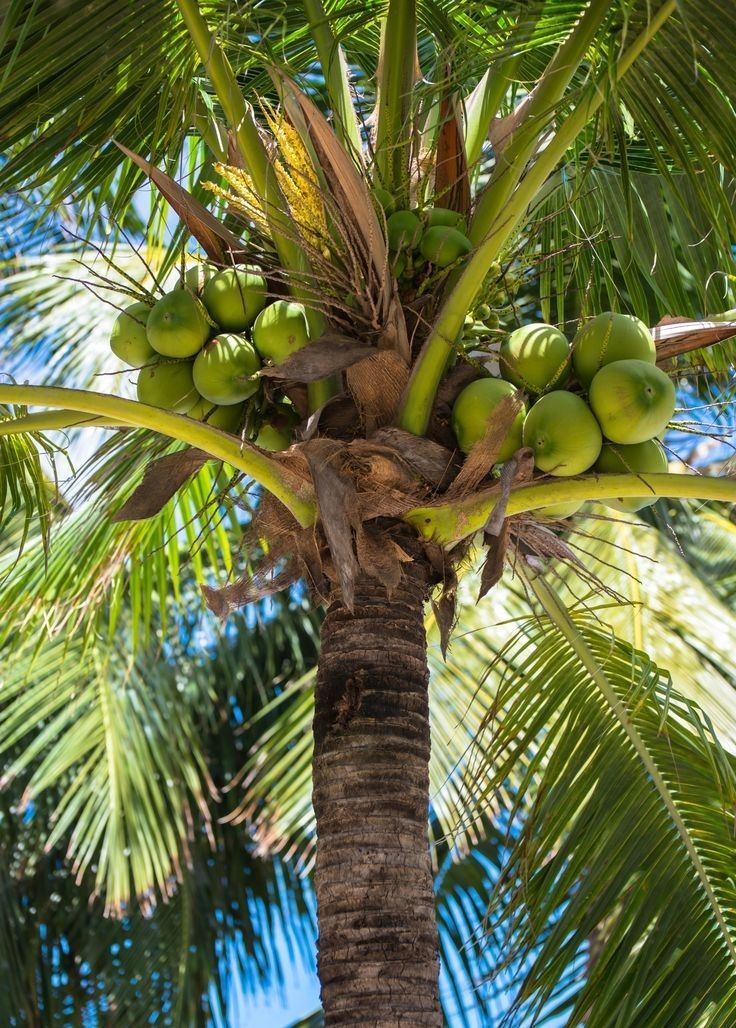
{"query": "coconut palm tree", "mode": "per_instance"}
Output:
(586, 145)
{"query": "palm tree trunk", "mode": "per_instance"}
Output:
(378, 949)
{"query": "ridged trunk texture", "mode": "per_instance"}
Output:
(378, 949)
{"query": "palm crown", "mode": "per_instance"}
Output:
(570, 149)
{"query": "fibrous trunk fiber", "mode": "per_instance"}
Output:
(378, 950)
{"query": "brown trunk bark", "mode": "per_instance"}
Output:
(378, 949)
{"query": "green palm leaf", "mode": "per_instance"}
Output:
(89, 723)
(653, 876)
(96, 565)
(26, 495)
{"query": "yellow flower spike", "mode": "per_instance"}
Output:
(298, 179)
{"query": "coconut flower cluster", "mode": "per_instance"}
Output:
(200, 347)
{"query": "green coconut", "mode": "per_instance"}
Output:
(385, 199)
(444, 216)
(535, 358)
(128, 339)
(197, 277)
(223, 371)
(607, 338)
(646, 458)
(404, 230)
(234, 297)
(562, 432)
(475, 405)
(280, 330)
(168, 384)
(443, 245)
(177, 326)
(632, 400)
(277, 430)
(228, 418)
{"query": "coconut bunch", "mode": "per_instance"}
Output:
(419, 238)
(597, 404)
(199, 350)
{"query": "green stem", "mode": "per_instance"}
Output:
(240, 118)
(537, 110)
(52, 420)
(318, 393)
(396, 81)
(246, 458)
(335, 71)
(559, 615)
(448, 524)
(210, 130)
(432, 361)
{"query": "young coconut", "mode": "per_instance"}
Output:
(385, 199)
(404, 230)
(444, 216)
(443, 245)
(632, 400)
(223, 371)
(475, 405)
(128, 339)
(607, 338)
(197, 277)
(229, 418)
(280, 330)
(535, 358)
(234, 297)
(177, 326)
(563, 433)
(646, 458)
(276, 433)
(168, 384)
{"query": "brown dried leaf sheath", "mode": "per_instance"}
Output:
(358, 214)
(161, 479)
(485, 453)
(377, 385)
(451, 184)
(326, 355)
(217, 241)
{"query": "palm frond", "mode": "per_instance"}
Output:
(230, 916)
(706, 536)
(92, 725)
(628, 837)
(642, 243)
(26, 494)
(220, 936)
(663, 595)
(96, 565)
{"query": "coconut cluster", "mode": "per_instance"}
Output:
(200, 347)
(597, 404)
(417, 238)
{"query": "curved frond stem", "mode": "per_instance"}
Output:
(484, 102)
(336, 75)
(240, 117)
(449, 523)
(531, 117)
(559, 615)
(396, 69)
(430, 365)
(48, 421)
(269, 473)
